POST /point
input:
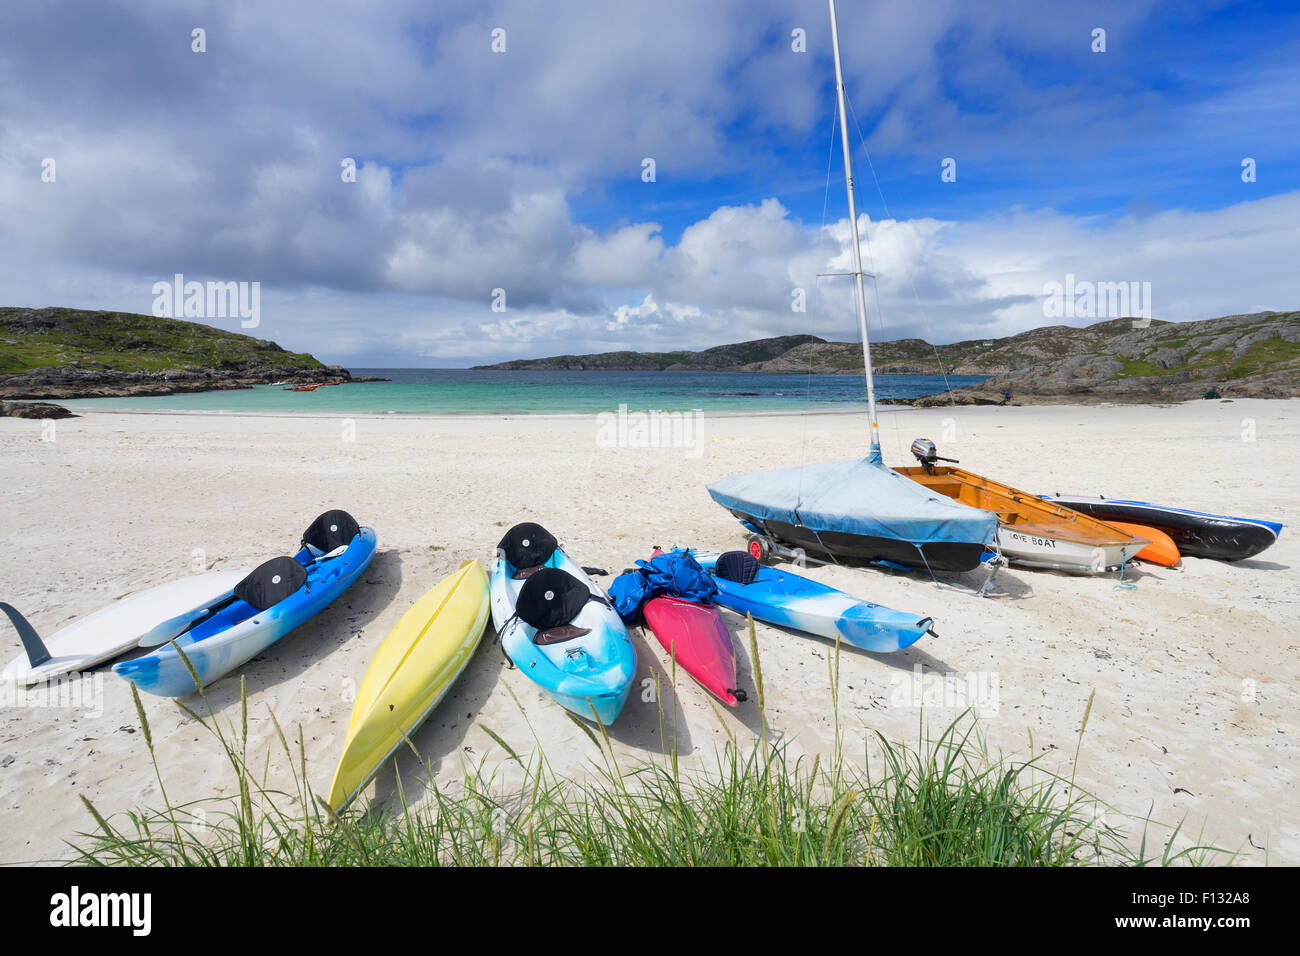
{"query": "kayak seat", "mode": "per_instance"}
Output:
(738, 566)
(332, 530)
(549, 600)
(271, 582)
(527, 545)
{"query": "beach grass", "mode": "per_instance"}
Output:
(943, 801)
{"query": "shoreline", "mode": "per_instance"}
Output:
(470, 416)
(761, 413)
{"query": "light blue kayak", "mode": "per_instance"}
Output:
(785, 599)
(238, 631)
(589, 671)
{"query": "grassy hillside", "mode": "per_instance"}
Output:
(991, 356)
(1260, 351)
(808, 353)
(1258, 354)
(743, 353)
(597, 361)
(718, 358)
(55, 338)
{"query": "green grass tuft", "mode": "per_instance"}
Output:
(1263, 356)
(940, 802)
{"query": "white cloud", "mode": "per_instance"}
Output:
(652, 318)
(226, 165)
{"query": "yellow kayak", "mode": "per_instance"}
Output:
(417, 662)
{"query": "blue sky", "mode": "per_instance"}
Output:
(1149, 144)
(521, 170)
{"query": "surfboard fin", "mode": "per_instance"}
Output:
(37, 653)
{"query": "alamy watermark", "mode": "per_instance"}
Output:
(74, 908)
(208, 300)
(652, 429)
(1083, 299)
(84, 692)
(952, 690)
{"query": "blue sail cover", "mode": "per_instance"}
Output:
(855, 497)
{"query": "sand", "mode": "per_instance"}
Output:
(1194, 670)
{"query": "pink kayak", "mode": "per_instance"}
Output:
(695, 634)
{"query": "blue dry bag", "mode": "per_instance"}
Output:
(675, 572)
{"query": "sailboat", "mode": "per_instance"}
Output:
(857, 510)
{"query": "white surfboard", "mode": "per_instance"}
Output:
(118, 627)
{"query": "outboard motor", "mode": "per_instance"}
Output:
(927, 454)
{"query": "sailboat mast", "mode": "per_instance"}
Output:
(857, 252)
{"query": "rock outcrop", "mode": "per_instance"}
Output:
(33, 410)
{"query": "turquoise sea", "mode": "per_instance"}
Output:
(462, 391)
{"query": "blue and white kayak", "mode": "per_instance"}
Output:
(780, 597)
(1197, 533)
(587, 663)
(226, 635)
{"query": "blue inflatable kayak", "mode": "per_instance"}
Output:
(788, 600)
(274, 599)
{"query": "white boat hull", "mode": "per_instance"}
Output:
(1061, 554)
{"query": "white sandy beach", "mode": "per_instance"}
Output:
(1195, 670)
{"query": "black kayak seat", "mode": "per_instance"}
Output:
(331, 530)
(527, 545)
(271, 582)
(739, 566)
(549, 600)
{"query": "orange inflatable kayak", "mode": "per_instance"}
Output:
(1161, 550)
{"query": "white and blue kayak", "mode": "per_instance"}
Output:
(786, 599)
(556, 625)
(266, 605)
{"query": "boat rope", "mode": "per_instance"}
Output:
(826, 195)
(911, 279)
(1123, 585)
(500, 644)
(996, 564)
(829, 553)
(929, 570)
(510, 665)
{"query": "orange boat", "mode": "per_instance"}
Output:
(1031, 532)
(1161, 550)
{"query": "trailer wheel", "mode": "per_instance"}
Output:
(760, 548)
